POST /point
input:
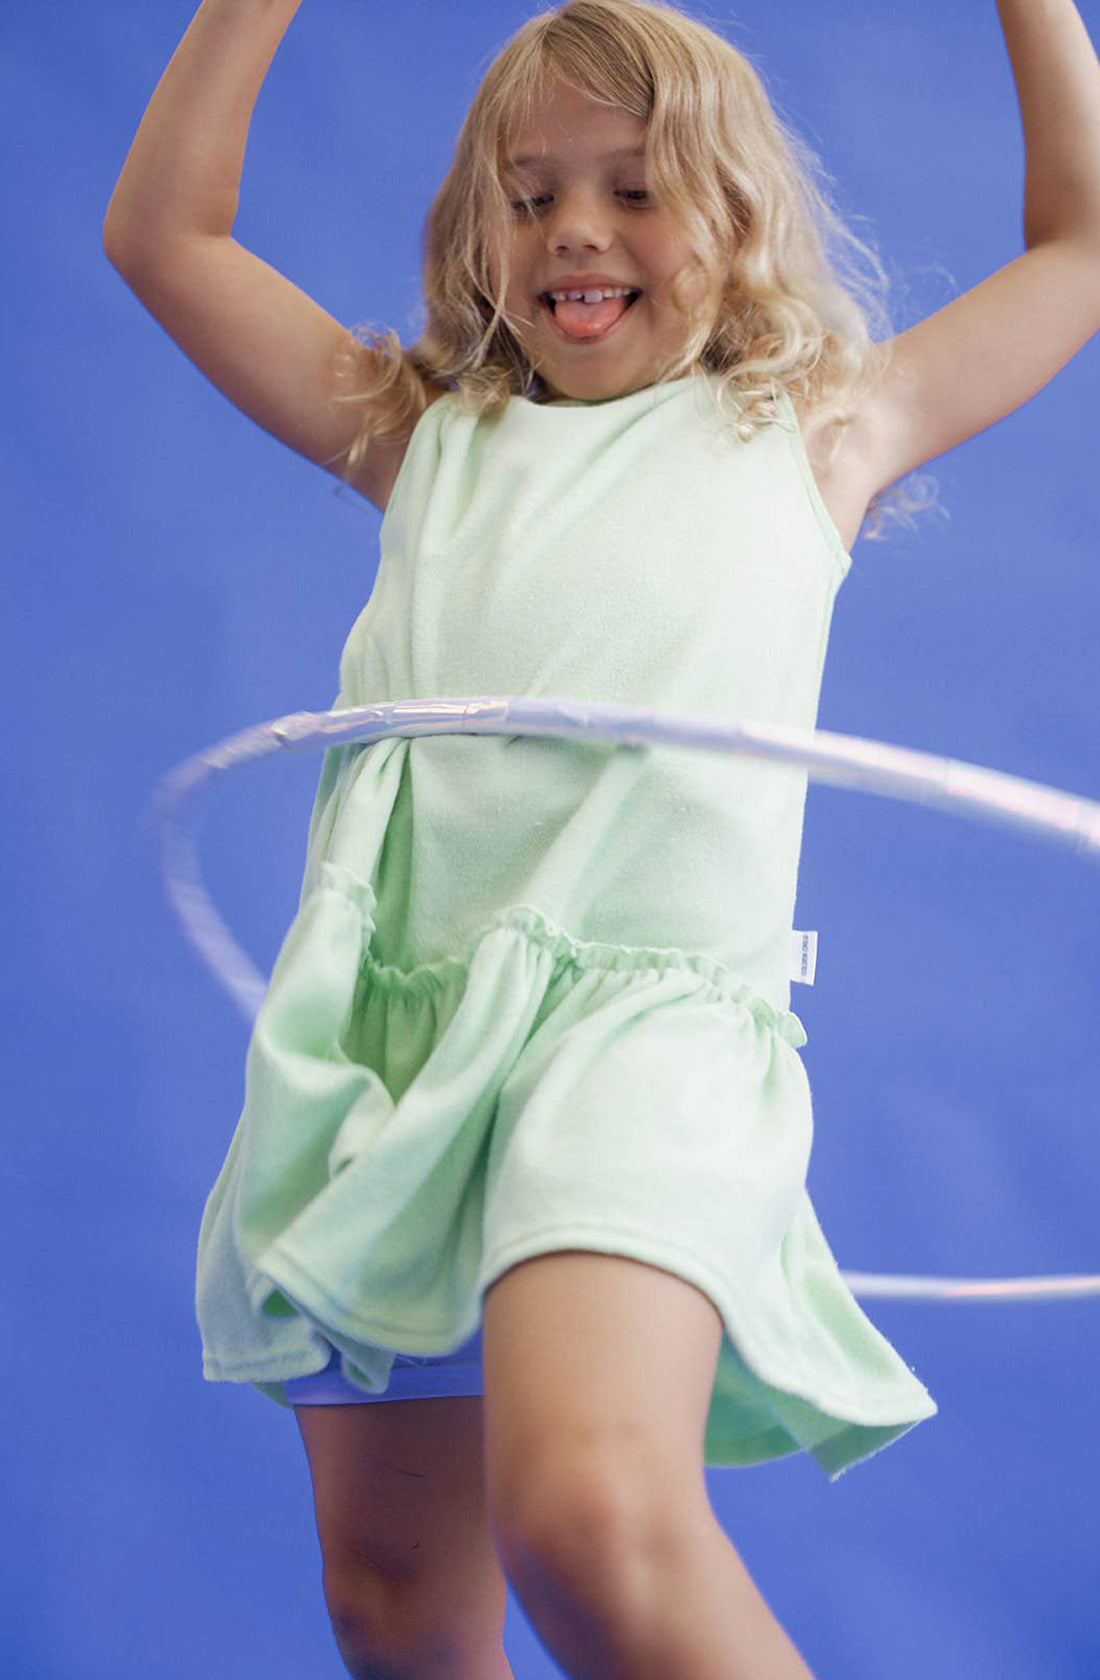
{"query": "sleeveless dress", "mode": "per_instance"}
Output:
(536, 993)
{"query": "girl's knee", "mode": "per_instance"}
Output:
(386, 1631)
(411, 1576)
(597, 1533)
(359, 1612)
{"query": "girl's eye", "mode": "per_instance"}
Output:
(532, 203)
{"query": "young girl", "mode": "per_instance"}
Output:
(515, 1215)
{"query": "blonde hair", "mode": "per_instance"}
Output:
(744, 190)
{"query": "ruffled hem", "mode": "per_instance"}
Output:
(407, 1136)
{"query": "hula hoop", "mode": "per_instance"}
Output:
(845, 761)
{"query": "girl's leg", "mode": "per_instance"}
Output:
(689, 1609)
(411, 1579)
(598, 1376)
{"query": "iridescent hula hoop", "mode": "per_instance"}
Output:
(845, 761)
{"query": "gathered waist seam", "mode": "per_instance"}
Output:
(565, 950)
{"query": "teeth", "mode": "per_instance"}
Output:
(595, 296)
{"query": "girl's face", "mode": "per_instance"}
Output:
(592, 213)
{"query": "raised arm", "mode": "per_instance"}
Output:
(262, 341)
(183, 172)
(984, 355)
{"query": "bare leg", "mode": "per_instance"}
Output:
(695, 1614)
(596, 1486)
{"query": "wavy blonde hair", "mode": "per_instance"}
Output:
(745, 191)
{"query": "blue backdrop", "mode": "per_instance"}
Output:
(172, 574)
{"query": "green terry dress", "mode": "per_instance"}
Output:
(536, 992)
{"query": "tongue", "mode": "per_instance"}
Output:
(584, 320)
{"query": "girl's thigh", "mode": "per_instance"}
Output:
(402, 1519)
(599, 1370)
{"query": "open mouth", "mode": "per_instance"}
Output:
(551, 303)
(588, 333)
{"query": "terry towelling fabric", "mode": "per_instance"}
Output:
(535, 995)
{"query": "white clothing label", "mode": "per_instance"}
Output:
(803, 957)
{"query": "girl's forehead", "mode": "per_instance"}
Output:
(558, 108)
(547, 135)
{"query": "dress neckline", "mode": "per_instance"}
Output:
(608, 402)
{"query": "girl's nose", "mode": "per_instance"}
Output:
(577, 216)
